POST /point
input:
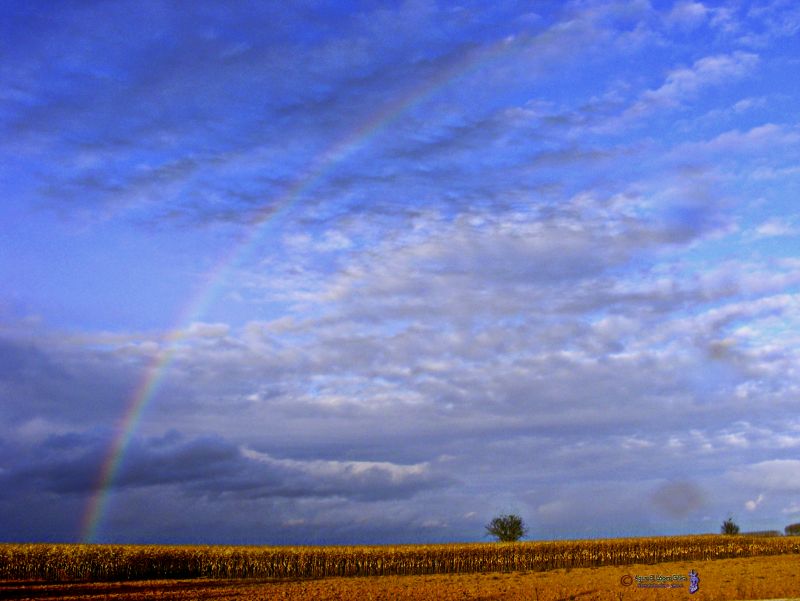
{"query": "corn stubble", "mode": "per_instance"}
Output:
(68, 562)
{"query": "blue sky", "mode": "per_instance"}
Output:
(402, 266)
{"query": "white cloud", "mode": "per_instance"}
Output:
(752, 505)
(205, 330)
(787, 441)
(725, 19)
(735, 440)
(746, 104)
(633, 442)
(774, 173)
(781, 475)
(755, 139)
(343, 469)
(793, 509)
(684, 83)
(38, 429)
(553, 510)
(775, 228)
(687, 14)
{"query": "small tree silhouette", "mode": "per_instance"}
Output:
(729, 527)
(792, 529)
(507, 528)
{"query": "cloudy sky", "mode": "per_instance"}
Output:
(375, 272)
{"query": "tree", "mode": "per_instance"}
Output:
(507, 528)
(792, 529)
(729, 527)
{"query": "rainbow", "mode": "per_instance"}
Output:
(323, 164)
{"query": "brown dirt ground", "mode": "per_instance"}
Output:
(724, 579)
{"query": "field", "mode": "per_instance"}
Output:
(729, 568)
(722, 579)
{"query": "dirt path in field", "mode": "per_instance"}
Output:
(725, 579)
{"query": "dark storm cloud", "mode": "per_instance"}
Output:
(172, 460)
(61, 464)
(208, 466)
(70, 384)
(23, 364)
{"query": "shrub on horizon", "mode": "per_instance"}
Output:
(507, 528)
(729, 527)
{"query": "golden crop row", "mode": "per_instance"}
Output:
(66, 562)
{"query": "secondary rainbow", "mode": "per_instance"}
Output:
(155, 372)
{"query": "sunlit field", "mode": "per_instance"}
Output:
(635, 568)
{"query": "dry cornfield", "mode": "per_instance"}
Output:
(68, 562)
(768, 577)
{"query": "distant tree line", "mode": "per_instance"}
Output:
(730, 527)
(510, 528)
